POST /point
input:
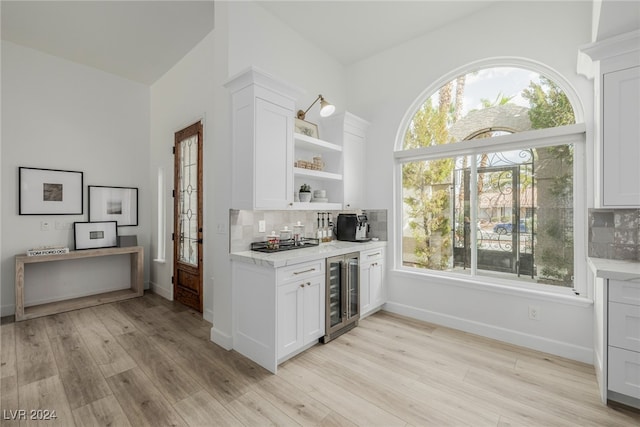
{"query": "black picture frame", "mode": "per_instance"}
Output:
(95, 235)
(118, 204)
(50, 191)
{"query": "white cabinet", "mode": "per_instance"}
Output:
(263, 112)
(621, 137)
(277, 312)
(623, 337)
(372, 283)
(300, 304)
(617, 94)
(350, 132)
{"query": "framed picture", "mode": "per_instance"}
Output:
(118, 204)
(306, 128)
(49, 192)
(94, 235)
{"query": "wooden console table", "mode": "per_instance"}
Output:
(136, 290)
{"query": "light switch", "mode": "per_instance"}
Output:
(262, 226)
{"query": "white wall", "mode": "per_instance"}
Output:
(383, 87)
(183, 96)
(57, 114)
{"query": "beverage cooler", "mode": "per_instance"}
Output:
(343, 295)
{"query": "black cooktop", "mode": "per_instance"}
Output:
(284, 245)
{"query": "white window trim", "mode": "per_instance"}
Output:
(533, 139)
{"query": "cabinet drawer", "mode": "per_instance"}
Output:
(624, 326)
(624, 372)
(300, 271)
(371, 255)
(624, 292)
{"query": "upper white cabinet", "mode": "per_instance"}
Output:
(617, 106)
(350, 132)
(621, 137)
(263, 112)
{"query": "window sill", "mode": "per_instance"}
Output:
(560, 295)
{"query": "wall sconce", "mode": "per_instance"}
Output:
(326, 109)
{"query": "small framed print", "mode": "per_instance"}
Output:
(95, 235)
(306, 128)
(118, 204)
(49, 192)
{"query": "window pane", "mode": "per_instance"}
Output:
(522, 201)
(428, 187)
(489, 101)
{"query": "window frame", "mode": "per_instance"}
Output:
(570, 134)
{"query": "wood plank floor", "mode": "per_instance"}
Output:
(149, 362)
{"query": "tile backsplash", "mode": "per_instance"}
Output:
(244, 224)
(614, 233)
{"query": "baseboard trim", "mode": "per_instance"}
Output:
(163, 292)
(208, 315)
(222, 339)
(8, 310)
(570, 351)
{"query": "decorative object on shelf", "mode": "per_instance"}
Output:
(316, 164)
(326, 109)
(48, 250)
(305, 193)
(49, 192)
(94, 235)
(118, 204)
(306, 128)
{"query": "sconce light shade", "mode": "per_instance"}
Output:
(326, 109)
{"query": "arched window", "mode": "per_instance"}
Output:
(486, 175)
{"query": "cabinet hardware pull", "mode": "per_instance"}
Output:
(308, 283)
(304, 271)
(376, 254)
(302, 285)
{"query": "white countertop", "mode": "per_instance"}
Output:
(296, 256)
(615, 269)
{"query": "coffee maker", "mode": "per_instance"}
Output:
(353, 227)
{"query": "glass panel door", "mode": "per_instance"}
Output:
(354, 288)
(334, 300)
(188, 201)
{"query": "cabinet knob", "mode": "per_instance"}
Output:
(308, 283)
(302, 285)
(290, 203)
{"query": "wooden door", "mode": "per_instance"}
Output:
(187, 236)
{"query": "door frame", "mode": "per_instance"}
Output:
(194, 129)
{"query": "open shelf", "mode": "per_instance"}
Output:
(314, 144)
(317, 174)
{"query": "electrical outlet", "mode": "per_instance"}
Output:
(534, 312)
(262, 226)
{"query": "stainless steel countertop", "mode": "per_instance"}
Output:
(615, 269)
(296, 256)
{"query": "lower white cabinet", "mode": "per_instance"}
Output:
(277, 312)
(300, 314)
(623, 361)
(372, 289)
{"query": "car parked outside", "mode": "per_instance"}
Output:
(507, 227)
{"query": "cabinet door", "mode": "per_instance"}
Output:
(624, 372)
(624, 326)
(365, 287)
(353, 174)
(290, 318)
(273, 156)
(621, 138)
(376, 283)
(313, 309)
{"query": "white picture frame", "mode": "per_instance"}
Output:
(95, 235)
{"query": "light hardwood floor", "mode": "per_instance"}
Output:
(149, 362)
